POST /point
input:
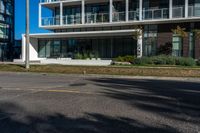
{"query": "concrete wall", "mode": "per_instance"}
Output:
(33, 56)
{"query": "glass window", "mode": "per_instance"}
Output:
(150, 40)
(191, 44)
(176, 46)
(42, 49)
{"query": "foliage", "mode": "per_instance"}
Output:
(180, 31)
(198, 62)
(185, 61)
(138, 32)
(78, 56)
(165, 60)
(197, 33)
(165, 49)
(127, 58)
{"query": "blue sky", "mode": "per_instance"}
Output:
(20, 17)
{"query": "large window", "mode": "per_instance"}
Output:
(4, 31)
(150, 40)
(103, 47)
(191, 44)
(177, 46)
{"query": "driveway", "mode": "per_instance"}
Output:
(42, 103)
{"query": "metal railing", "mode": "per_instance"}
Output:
(48, 1)
(50, 21)
(151, 14)
(178, 12)
(72, 19)
(97, 18)
(118, 16)
(133, 15)
(194, 11)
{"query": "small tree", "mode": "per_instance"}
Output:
(197, 33)
(138, 32)
(180, 32)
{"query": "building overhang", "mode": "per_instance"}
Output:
(84, 34)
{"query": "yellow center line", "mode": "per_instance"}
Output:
(72, 91)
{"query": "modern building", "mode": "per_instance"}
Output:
(6, 29)
(111, 28)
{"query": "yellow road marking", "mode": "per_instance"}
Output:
(72, 91)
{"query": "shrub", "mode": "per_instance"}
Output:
(127, 58)
(165, 60)
(198, 63)
(143, 61)
(185, 61)
(78, 56)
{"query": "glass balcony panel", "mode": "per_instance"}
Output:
(97, 18)
(72, 19)
(134, 15)
(178, 12)
(48, 1)
(194, 11)
(151, 14)
(50, 21)
(119, 16)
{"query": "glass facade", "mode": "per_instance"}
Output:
(6, 28)
(104, 47)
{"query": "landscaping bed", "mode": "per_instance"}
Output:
(110, 70)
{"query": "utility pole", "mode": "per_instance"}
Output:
(27, 62)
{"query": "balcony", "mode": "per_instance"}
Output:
(152, 14)
(133, 15)
(178, 12)
(96, 18)
(194, 11)
(48, 1)
(119, 16)
(50, 21)
(71, 19)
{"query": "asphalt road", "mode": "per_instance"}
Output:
(39, 103)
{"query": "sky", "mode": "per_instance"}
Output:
(20, 18)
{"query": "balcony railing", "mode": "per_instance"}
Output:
(119, 16)
(151, 14)
(72, 19)
(133, 15)
(178, 12)
(50, 21)
(194, 11)
(97, 18)
(48, 1)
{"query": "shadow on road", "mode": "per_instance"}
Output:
(15, 119)
(173, 99)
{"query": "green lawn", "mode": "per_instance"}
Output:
(110, 70)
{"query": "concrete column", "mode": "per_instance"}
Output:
(111, 11)
(61, 13)
(83, 11)
(140, 10)
(40, 15)
(139, 45)
(23, 53)
(127, 10)
(170, 8)
(186, 8)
